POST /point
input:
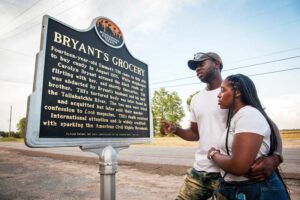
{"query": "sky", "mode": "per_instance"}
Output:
(260, 39)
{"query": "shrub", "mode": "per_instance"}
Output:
(4, 134)
(16, 135)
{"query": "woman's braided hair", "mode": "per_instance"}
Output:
(249, 97)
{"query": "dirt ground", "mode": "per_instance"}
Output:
(27, 175)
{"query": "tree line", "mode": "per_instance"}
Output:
(20, 130)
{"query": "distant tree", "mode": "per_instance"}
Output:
(4, 134)
(166, 106)
(21, 127)
(188, 101)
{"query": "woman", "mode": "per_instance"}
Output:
(249, 135)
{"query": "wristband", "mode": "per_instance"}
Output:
(174, 127)
(212, 153)
(279, 156)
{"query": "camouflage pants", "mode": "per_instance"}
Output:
(198, 185)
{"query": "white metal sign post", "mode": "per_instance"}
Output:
(108, 167)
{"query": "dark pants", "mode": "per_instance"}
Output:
(272, 188)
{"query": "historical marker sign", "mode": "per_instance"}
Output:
(88, 88)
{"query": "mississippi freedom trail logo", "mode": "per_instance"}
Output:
(109, 32)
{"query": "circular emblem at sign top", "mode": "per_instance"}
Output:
(109, 32)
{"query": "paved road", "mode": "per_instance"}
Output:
(157, 155)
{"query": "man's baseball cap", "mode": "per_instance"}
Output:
(199, 57)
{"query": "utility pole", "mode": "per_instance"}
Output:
(9, 134)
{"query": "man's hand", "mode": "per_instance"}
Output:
(263, 167)
(168, 127)
(211, 152)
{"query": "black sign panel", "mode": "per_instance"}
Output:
(92, 86)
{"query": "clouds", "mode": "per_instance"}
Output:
(284, 110)
(162, 33)
(133, 16)
(21, 23)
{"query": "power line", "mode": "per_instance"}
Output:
(264, 55)
(237, 61)
(262, 63)
(172, 80)
(24, 11)
(242, 67)
(14, 52)
(70, 7)
(29, 21)
(179, 85)
(258, 74)
(273, 72)
(17, 82)
(33, 25)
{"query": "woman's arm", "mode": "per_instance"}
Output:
(245, 147)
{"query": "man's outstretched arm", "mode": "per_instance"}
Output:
(189, 134)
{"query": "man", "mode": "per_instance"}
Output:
(207, 123)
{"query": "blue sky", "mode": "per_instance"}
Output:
(165, 34)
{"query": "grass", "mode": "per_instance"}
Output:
(290, 134)
(11, 139)
(289, 137)
(170, 141)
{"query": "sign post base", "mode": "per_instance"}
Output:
(108, 167)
